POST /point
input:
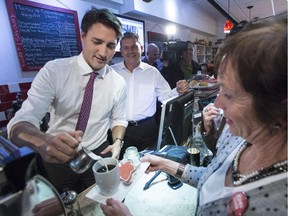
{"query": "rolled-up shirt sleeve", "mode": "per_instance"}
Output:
(40, 97)
(163, 89)
(119, 111)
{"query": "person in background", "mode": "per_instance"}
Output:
(59, 88)
(208, 69)
(183, 68)
(208, 128)
(152, 56)
(209, 131)
(211, 69)
(145, 85)
(247, 177)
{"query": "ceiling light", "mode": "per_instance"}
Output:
(228, 24)
(249, 8)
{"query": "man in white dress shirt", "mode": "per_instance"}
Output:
(144, 85)
(59, 88)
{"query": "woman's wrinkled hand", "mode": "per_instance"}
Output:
(209, 113)
(115, 208)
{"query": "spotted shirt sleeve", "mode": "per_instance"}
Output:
(192, 174)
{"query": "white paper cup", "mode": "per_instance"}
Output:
(107, 183)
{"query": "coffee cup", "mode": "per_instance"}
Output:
(194, 156)
(107, 182)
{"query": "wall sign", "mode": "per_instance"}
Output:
(43, 33)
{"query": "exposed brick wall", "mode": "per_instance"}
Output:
(8, 96)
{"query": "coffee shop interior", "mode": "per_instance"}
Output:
(168, 24)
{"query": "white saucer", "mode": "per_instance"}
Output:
(123, 189)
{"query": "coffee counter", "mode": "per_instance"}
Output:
(158, 200)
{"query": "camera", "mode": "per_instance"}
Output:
(172, 50)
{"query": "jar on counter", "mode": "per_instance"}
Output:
(132, 154)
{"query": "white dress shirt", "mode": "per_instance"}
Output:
(59, 88)
(144, 85)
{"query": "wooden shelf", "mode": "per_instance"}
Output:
(203, 53)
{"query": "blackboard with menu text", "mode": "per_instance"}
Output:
(43, 33)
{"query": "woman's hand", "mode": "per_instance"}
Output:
(209, 113)
(115, 208)
(160, 163)
(155, 163)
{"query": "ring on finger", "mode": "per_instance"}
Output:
(206, 110)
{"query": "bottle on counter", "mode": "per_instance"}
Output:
(196, 105)
(198, 142)
(196, 114)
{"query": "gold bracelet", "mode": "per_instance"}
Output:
(180, 171)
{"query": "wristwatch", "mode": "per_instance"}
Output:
(121, 142)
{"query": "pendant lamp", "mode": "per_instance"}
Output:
(228, 24)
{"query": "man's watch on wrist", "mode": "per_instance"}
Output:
(121, 142)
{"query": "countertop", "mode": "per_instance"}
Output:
(158, 200)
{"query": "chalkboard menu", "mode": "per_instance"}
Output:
(42, 32)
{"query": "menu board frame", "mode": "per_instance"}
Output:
(46, 25)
